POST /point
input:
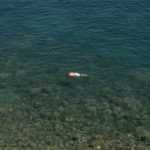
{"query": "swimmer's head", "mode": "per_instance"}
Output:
(71, 74)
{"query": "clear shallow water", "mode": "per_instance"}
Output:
(41, 107)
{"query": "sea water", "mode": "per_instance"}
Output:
(41, 107)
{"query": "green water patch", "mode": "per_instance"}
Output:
(43, 108)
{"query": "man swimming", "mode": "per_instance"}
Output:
(76, 74)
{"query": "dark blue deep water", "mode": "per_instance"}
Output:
(41, 107)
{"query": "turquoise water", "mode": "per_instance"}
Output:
(42, 108)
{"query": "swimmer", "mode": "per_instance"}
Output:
(75, 74)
